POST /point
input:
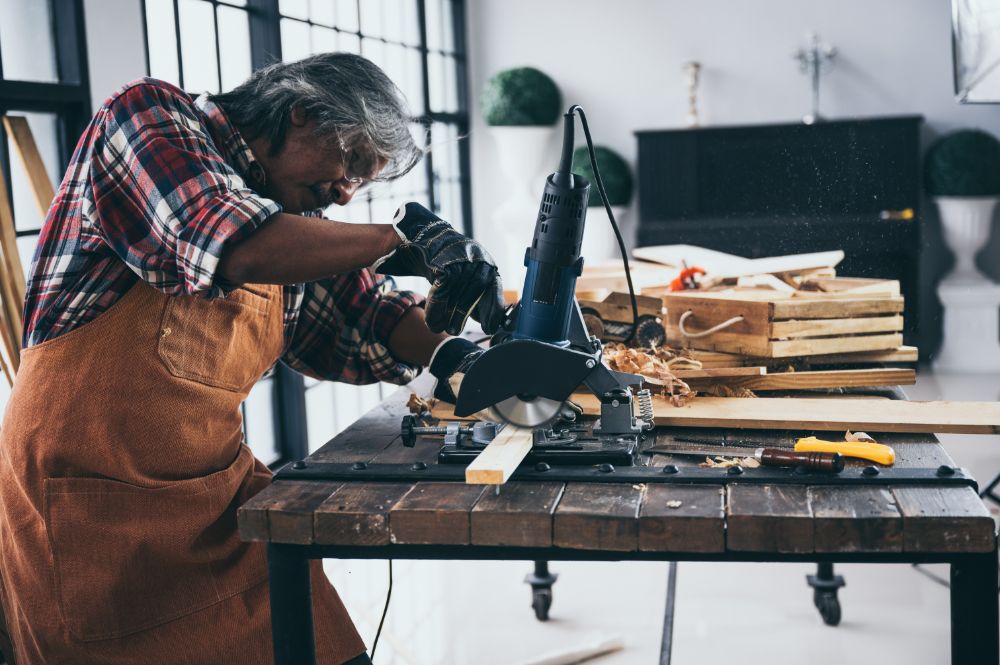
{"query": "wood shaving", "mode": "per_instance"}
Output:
(658, 365)
(858, 436)
(674, 504)
(721, 462)
(417, 404)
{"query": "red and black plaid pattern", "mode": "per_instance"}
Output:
(154, 191)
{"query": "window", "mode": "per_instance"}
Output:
(46, 83)
(212, 45)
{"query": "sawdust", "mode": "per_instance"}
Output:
(657, 364)
(674, 504)
(721, 462)
(862, 437)
(417, 404)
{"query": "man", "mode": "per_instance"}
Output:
(182, 257)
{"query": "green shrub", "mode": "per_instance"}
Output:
(614, 172)
(963, 163)
(521, 96)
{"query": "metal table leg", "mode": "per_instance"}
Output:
(291, 606)
(975, 611)
(667, 641)
(825, 585)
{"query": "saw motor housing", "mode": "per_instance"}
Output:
(543, 351)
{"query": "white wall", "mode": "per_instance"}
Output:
(622, 61)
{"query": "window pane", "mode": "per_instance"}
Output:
(238, 3)
(350, 43)
(44, 128)
(26, 252)
(435, 81)
(258, 422)
(197, 24)
(447, 33)
(321, 417)
(347, 15)
(324, 40)
(321, 11)
(161, 40)
(392, 19)
(371, 18)
(374, 50)
(411, 27)
(294, 40)
(432, 14)
(28, 53)
(234, 45)
(294, 8)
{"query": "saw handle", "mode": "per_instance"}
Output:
(818, 461)
(873, 452)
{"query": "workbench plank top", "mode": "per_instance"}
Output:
(617, 517)
(519, 516)
(769, 518)
(598, 516)
(683, 518)
(434, 514)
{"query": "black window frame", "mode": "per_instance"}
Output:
(68, 98)
(288, 394)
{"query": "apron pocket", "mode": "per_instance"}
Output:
(128, 558)
(205, 340)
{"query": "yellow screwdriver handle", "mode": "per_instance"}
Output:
(875, 452)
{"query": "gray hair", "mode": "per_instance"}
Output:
(347, 95)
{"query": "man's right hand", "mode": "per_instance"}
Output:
(463, 276)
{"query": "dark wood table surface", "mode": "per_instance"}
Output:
(617, 521)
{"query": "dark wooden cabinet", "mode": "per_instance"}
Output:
(782, 189)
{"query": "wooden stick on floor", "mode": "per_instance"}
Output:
(11, 279)
(500, 457)
(24, 143)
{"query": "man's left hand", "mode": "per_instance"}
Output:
(453, 356)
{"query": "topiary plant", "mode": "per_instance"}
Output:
(963, 163)
(614, 172)
(521, 96)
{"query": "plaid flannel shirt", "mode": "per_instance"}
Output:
(154, 191)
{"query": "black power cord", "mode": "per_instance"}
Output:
(576, 108)
(385, 611)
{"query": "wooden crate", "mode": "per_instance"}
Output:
(778, 325)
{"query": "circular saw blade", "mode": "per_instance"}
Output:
(527, 412)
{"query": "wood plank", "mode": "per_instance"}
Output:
(11, 276)
(357, 514)
(434, 514)
(944, 519)
(719, 372)
(501, 457)
(901, 354)
(769, 518)
(821, 327)
(823, 345)
(835, 307)
(519, 516)
(290, 513)
(856, 519)
(870, 415)
(698, 524)
(845, 378)
(598, 516)
(251, 517)
(368, 436)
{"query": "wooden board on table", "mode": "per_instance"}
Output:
(682, 518)
(719, 359)
(500, 458)
(719, 372)
(769, 518)
(842, 378)
(434, 514)
(877, 415)
(284, 514)
(722, 265)
(598, 516)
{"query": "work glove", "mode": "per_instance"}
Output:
(452, 356)
(463, 276)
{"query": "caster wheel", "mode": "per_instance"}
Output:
(829, 607)
(541, 601)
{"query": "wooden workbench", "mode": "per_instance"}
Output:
(535, 521)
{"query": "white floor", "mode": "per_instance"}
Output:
(464, 613)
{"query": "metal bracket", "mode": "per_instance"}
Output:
(608, 473)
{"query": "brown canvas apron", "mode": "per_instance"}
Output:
(122, 464)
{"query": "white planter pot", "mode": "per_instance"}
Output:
(970, 299)
(599, 243)
(525, 156)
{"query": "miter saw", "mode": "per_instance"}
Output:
(543, 351)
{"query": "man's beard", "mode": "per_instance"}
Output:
(326, 199)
